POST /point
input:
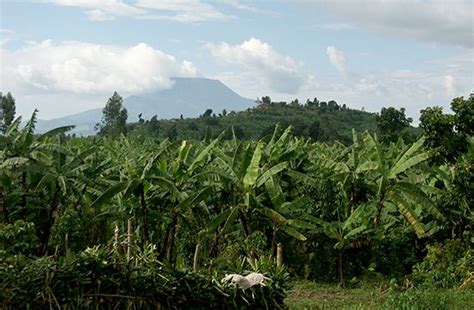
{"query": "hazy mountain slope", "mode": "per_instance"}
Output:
(189, 97)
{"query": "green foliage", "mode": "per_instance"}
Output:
(67, 231)
(445, 266)
(454, 197)
(18, 238)
(391, 123)
(321, 124)
(100, 277)
(114, 118)
(429, 299)
(150, 209)
(463, 115)
(7, 110)
(447, 133)
(394, 255)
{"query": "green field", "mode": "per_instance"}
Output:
(311, 295)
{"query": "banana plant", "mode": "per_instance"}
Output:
(452, 189)
(349, 232)
(154, 177)
(182, 180)
(24, 156)
(391, 186)
(248, 173)
(65, 181)
(135, 167)
(369, 174)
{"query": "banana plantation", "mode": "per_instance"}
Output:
(136, 222)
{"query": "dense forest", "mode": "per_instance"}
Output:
(132, 218)
(320, 121)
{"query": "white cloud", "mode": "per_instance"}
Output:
(245, 6)
(278, 72)
(337, 58)
(450, 85)
(6, 35)
(106, 9)
(368, 85)
(186, 11)
(182, 10)
(99, 15)
(435, 21)
(412, 89)
(188, 69)
(85, 68)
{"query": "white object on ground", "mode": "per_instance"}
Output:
(242, 282)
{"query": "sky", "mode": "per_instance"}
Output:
(68, 56)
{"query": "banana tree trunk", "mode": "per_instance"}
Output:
(279, 254)
(129, 238)
(169, 252)
(24, 189)
(79, 200)
(341, 267)
(3, 208)
(44, 238)
(274, 242)
(116, 238)
(66, 244)
(214, 252)
(146, 236)
(378, 215)
(196, 257)
(163, 245)
(245, 223)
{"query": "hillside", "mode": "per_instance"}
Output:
(188, 96)
(323, 123)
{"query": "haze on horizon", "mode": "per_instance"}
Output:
(68, 56)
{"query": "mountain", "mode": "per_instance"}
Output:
(188, 96)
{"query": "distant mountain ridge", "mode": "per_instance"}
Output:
(189, 97)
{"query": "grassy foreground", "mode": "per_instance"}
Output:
(311, 295)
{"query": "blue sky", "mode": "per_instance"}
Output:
(66, 56)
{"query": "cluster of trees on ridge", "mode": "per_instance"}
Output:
(127, 205)
(320, 121)
(317, 120)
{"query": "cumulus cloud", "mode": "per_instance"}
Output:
(186, 11)
(280, 73)
(435, 21)
(86, 68)
(413, 89)
(337, 58)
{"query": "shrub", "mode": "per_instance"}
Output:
(98, 277)
(18, 238)
(445, 266)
